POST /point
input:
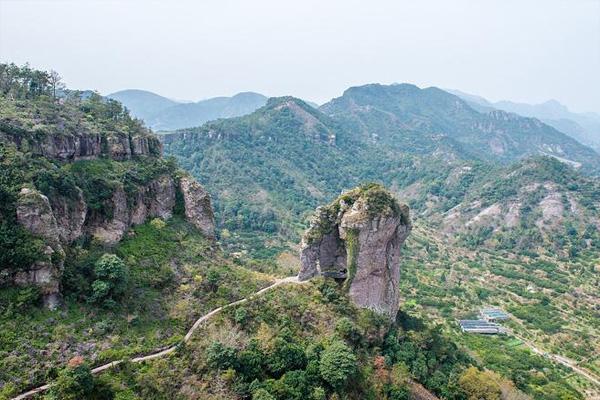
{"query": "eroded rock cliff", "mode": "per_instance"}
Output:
(97, 187)
(78, 170)
(357, 239)
(59, 221)
(35, 214)
(81, 145)
(198, 209)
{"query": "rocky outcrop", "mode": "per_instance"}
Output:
(70, 215)
(357, 239)
(61, 220)
(161, 193)
(198, 209)
(81, 145)
(35, 214)
(156, 199)
(110, 232)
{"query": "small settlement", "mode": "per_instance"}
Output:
(487, 324)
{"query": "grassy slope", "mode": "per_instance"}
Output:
(168, 290)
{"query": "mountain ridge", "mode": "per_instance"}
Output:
(163, 114)
(584, 127)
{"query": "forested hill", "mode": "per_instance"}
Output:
(267, 170)
(141, 103)
(403, 114)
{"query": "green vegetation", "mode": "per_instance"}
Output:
(445, 283)
(111, 280)
(156, 305)
(352, 252)
(76, 382)
(303, 342)
(267, 172)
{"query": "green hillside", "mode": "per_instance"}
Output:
(267, 171)
(391, 114)
(88, 199)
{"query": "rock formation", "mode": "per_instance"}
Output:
(35, 214)
(60, 218)
(83, 145)
(81, 170)
(357, 238)
(59, 221)
(198, 209)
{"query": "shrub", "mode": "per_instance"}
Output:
(337, 364)
(213, 278)
(318, 393)
(241, 314)
(479, 385)
(286, 356)
(262, 394)
(73, 383)
(111, 279)
(220, 356)
(347, 330)
(158, 223)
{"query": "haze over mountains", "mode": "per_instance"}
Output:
(164, 114)
(585, 127)
(161, 113)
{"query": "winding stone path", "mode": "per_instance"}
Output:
(169, 350)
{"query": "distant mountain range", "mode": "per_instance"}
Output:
(405, 117)
(163, 114)
(585, 127)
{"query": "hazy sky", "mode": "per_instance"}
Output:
(522, 50)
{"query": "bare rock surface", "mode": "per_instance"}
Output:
(198, 209)
(35, 214)
(358, 238)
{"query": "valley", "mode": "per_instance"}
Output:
(113, 251)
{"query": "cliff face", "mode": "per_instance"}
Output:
(198, 209)
(357, 239)
(145, 187)
(83, 145)
(59, 221)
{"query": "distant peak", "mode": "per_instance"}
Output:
(134, 91)
(555, 105)
(249, 95)
(277, 102)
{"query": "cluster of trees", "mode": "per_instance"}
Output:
(427, 355)
(24, 82)
(111, 280)
(287, 369)
(357, 360)
(76, 382)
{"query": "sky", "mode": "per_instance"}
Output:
(520, 50)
